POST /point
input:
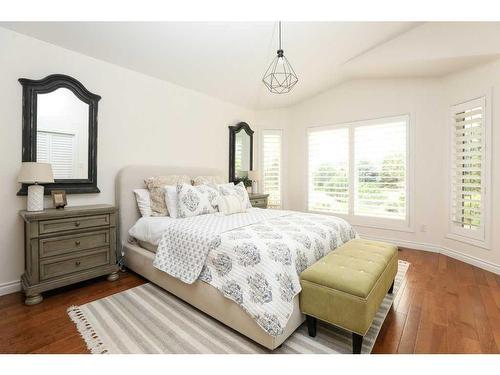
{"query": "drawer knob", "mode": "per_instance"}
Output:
(77, 223)
(77, 263)
(77, 243)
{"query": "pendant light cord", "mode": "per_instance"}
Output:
(279, 31)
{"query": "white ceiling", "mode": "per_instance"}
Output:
(227, 60)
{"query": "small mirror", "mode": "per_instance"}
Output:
(60, 128)
(240, 151)
(62, 135)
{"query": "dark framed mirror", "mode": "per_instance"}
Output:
(240, 151)
(60, 128)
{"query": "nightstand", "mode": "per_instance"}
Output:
(258, 200)
(65, 246)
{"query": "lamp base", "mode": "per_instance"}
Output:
(35, 198)
(255, 187)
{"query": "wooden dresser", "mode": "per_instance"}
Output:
(65, 246)
(258, 200)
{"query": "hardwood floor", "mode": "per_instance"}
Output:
(445, 306)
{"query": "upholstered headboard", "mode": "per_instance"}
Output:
(132, 177)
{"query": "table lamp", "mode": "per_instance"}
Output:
(35, 173)
(254, 177)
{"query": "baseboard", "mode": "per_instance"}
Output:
(488, 266)
(10, 287)
(409, 244)
(485, 265)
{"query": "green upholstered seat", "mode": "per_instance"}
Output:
(353, 268)
(346, 287)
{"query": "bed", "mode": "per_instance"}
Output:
(140, 256)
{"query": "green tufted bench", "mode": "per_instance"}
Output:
(346, 287)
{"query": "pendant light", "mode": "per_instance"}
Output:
(280, 76)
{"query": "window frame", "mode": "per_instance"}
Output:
(482, 240)
(261, 188)
(405, 225)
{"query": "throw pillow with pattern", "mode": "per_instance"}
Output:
(156, 187)
(239, 190)
(208, 180)
(196, 200)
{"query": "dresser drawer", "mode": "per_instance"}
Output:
(54, 267)
(74, 242)
(61, 225)
(259, 202)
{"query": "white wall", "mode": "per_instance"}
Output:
(460, 87)
(369, 99)
(427, 101)
(141, 120)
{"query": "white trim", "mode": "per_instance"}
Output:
(453, 232)
(469, 259)
(406, 225)
(488, 266)
(405, 243)
(10, 287)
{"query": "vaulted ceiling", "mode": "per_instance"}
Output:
(227, 59)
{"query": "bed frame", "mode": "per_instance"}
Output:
(199, 294)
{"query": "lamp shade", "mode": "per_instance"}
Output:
(35, 173)
(253, 175)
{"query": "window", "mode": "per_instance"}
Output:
(360, 170)
(59, 150)
(380, 170)
(469, 170)
(271, 166)
(329, 170)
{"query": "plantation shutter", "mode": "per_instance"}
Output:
(380, 169)
(42, 147)
(238, 154)
(271, 171)
(329, 170)
(57, 149)
(468, 169)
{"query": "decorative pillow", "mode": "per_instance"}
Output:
(171, 200)
(156, 187)
(231, 204)
(239, 190)
(196, 200)
(143, 202)
(208, 180)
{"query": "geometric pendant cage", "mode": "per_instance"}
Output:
(280, 77)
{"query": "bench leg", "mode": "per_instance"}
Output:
(357, 343)
(391, 288)
(311, 325)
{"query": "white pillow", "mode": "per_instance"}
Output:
(196, 200)
(143, 202)
(150, 229)
(231, 204)
(171, 200)
(239, 190)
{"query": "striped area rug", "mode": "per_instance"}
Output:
(147, 319)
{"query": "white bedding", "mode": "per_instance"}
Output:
(254, 258)
(150, 229)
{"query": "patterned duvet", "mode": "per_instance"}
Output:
(255, 258)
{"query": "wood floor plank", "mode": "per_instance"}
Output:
(410, 330)
(388, 342)
(445, 306)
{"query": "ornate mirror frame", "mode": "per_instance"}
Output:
(43, 86)
(233, 130)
